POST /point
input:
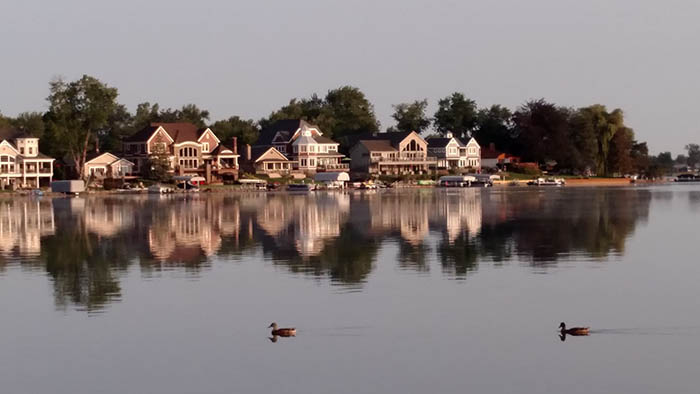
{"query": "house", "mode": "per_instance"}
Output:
(107, 165)
(189, 150)
(452, 154)
(265, 160)
(304, 145)
(21, 163)
(492, 158)
(391, 154)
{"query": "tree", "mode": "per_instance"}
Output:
(119, 126)
(494, 125)
(31, 123)
(246, 131)
(604, 124)
(192, 114)
(543, 132)
(681, 159)
(456, 114)
(640, 157)
(619, 157)
(78, 110)
(693, 154)
(158, 165)
(410, 117)
(344, 111)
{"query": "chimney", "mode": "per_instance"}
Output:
(235, 145)
(248, 154)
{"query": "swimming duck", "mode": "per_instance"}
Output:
(282, 332)
(573, 330)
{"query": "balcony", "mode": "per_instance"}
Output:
(404, 160)
(333, 167)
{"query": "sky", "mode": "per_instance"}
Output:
(248, 58)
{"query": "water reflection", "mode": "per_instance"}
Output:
(87, 244)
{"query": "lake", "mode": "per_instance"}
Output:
(391, 291)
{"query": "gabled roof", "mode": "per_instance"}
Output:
(219, 148)
(142, 135)
(290, 126)
(323, 140)
(257, 152)
(181, 132)
(10, 144)
(96, 155)
(378, 145)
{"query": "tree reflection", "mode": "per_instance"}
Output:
(87, 244)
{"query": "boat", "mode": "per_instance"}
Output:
(484, 180)
(687, 178)
(300, 187)
(159, 189)
(188, 186)
(547, 182)
(456, 181)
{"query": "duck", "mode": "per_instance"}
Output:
(282, 332)
(573, 330)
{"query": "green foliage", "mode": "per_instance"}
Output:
(619, 156)
(543, 132)
(77, 111)
(605, 124)
(494, 125)
(693, 154)
(456, 114)
(31, 123)
(246, 131)
(158, 165)
(344, 111)
(411, 117)
(147, 113)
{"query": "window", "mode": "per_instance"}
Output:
(303, 148)
(312, 163)
(303, 162)
(205, 147)
(312, 148)
(21, 151)
(31, 150)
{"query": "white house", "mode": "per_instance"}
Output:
(452, 154)
(107, 165)
(22, 165)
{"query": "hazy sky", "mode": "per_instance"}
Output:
(249, 58)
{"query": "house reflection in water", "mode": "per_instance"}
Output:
(23, 222)
(87, 244)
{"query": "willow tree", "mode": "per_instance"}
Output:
(78, 110)
(605, 124)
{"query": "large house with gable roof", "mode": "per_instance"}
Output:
(400, 153)
(453, 154)
(303, 144)
(190, 150)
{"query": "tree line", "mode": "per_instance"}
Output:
(84, 115)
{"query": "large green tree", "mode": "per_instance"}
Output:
(77, 111)
(456, 114)
(543, 132)
(605, 124)
(31, 123)
(693, 154)
(246, 131)
(411, 117)
(494, 125)
(342, 112)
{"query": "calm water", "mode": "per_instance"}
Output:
(414, 291)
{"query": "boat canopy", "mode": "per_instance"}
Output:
(332, 177)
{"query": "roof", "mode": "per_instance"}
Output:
(257, 151)
(489, 153)
(219, 148)
(378, 145)
(438, 142)
(331, 176)
(323, 140)
(289, 125)
(179, 132)
(143, 134)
